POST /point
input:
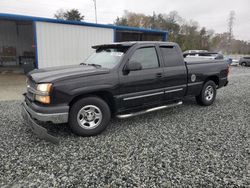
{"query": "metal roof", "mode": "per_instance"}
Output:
(17, 17)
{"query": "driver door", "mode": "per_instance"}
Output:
(142, 87)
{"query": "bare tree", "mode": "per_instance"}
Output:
(60, 14)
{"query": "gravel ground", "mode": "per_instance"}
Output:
(189, 146)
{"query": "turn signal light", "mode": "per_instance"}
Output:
(43, 99)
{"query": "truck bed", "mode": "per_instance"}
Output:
(195, 60)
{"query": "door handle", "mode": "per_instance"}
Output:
(159, 75)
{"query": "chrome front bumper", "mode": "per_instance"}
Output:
(53, 117)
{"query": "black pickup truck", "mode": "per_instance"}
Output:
(122, 80)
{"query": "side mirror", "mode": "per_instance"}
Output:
(133, 66)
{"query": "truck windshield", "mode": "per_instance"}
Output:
(106, 57)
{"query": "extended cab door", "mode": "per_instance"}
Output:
(142, 87)
(174, 72)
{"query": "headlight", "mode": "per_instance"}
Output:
(43, 91)
(46, 88)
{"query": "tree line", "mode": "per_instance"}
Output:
(187, 34)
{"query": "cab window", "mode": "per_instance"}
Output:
(146, 56)
(172, 56)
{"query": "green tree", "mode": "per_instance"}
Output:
(73, 15)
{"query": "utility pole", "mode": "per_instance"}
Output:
(230, 24)
(230, 29)
(95, 11)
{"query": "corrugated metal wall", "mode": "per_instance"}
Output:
(63, 44)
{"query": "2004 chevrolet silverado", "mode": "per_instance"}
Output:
(120, 79)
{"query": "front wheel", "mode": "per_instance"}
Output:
(208, 94)
(89, 116)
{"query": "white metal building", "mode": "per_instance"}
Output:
(50, 42)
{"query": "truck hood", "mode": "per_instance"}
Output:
(64, 72)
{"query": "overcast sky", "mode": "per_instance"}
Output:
(212, 14)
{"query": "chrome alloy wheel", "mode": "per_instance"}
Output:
(89, 117)
(209, 93)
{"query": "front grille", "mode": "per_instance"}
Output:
(31, 85)
(30, 96)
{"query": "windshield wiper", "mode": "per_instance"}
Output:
(95, 65)
(91, 64)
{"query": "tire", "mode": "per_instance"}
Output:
(207, 95)
(244, 64)
(89, 116)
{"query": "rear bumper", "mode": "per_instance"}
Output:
(40, 131)
(226, 83)
(223, 82)
(47, 114)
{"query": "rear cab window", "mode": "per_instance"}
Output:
(172, 56)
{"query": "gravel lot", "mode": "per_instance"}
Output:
(183, 146)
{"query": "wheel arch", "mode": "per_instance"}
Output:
(103, 94)
(213, 78)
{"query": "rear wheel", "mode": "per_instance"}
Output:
(208, 94)
(89, 116)
(244, 64)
